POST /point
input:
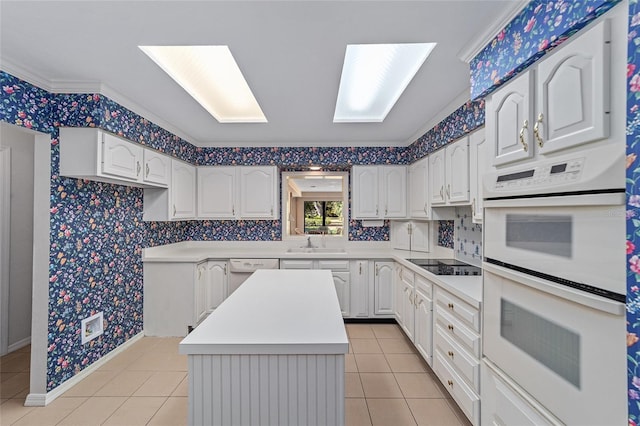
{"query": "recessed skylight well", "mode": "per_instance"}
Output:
(373, 78)
(212, 77)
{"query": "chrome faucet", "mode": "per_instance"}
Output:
(309, 245)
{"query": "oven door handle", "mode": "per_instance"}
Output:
(567, 293)
(608, 199)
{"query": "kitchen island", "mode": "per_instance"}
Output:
(271, 353)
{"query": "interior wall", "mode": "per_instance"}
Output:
(20, 286)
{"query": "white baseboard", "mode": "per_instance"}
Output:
(19, 344)
(43, 399)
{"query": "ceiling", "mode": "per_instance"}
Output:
(290, 52)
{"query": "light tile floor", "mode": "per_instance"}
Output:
(387, 384)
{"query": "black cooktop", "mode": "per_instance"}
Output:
(446, 266)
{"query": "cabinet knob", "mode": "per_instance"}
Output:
(536, 130)
(450, 353)
(523, 142)
(450, 383)
(450, 305)
(377, 270)
(450, 327)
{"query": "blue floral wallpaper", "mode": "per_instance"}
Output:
(445, 233)
(468, 237)
(633, 214)
(540, 26)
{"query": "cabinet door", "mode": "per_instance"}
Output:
(457, 171)
(400, 235)
(258, 192)
(365, 192)
(478, 166)
(341, 282)
(420, 236)
(157, 168)
(121, 158)
(383, 288)
(200, 292)
(572, 104)
(437, 177)
(418, 190)
(424, 325)
(216, 285)
(397, 294)
(408, 309)
(508, 120)
(359, 289)
(183, 190)
(216, 192)
(394, 186)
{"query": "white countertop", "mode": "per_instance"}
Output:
(274, 312)
(468, 288)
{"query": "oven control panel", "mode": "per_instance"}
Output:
(541, 176)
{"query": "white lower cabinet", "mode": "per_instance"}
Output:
(360, 289)
(383, 288)
(423, 319)
(178, 295)
(504, 403)
(456, 352)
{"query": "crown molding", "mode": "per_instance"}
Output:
(481, 40)
(69, 86)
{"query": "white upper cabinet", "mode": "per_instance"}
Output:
(183, 190)
(419, 203)
(562, 102)
(238, 192)
(259, 192)
(121, 158)
(572, 98)
(365, 192)
(479, 164)
(216, 192)
(379, 192)
(508, 120)
(93, 154)
(437, 177)
(157, 168)
(449, 174)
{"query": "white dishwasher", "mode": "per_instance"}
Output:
(241, 269)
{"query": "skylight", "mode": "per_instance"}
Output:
(212, 77)
(373, 78)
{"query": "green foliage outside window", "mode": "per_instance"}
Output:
(323, 217)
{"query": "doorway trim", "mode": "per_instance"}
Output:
(5, 252)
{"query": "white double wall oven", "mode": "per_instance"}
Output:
(554, 325)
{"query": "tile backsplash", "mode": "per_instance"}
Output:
(467, 237)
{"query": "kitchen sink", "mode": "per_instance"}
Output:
(315, 250)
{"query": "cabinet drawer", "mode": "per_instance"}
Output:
(467, 400)
(334, 265)
(460, 333)
(461, 310)
(424, 285)
(296, 264)
(464, 363)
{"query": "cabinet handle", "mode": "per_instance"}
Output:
(386, 210)
(233, 210)
(449, 191)
(174, 209)
(146, 170)
(536, 130)
(425, 208)
(442, 192)
(450, 353)
(473, 207)
(450, 305)
(225, 269)
(450, 327)
(450, 383)
(199, 273)
(404, 289)
(361, 269)
(377, 270)
(525, 145)
(271, 211)
(138, 168)
(420, 303)
(376, 210)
